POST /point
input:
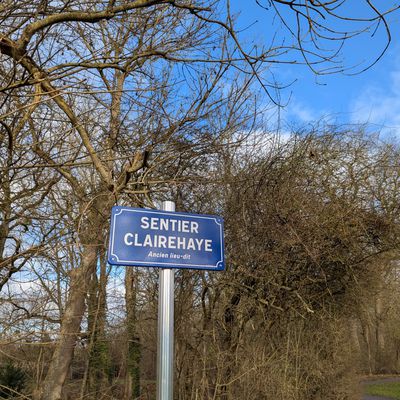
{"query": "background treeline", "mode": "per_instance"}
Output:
(308, 301)
(135, 102)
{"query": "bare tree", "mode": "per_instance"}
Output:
(307, 241)
(117, 101)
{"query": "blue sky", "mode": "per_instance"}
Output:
(370, 97)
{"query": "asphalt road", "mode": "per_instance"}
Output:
(383, 380)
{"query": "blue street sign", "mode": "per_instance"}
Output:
(152, 238)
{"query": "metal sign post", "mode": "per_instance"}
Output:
(169, 240)
(165, 351)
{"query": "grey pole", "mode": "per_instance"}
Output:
(165, 351)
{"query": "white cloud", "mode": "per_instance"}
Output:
(379, 103)
(301, 113)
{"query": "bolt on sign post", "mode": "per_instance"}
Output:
(169, 240)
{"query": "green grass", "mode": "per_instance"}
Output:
(389, 389)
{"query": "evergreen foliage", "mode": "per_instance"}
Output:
(12, 380)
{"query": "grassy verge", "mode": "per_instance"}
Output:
(389, 389)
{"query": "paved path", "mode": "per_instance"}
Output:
(382, 380)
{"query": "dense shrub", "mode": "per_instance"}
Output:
(12, 380)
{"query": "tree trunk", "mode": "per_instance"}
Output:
(70, 327)
(379, 334)
(132, 377)
(98, 362)
(354, 336)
